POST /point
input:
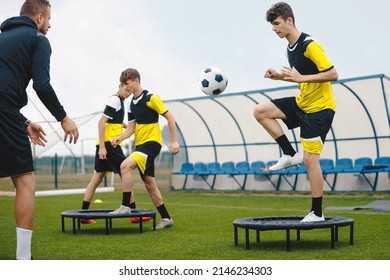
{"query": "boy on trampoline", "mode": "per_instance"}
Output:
(143, 116)
(312, 110)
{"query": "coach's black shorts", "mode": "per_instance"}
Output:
(15, 148)
(314, 126)
(114, 159)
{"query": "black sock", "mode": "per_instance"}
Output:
(126, 199)
(132, 205)
(163, 211)
(285, 145)
(316, 206)
(85, 205)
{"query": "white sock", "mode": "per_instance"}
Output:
(23, 244)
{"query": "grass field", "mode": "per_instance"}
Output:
(203, 229)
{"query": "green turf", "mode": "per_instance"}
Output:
(203, 229)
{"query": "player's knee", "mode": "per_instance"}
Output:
(259, 113)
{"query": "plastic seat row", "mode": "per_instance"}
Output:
(360, 166)
(328, 166)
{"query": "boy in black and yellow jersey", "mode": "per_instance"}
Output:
(312, 110)
(145, 109)
(107, 157)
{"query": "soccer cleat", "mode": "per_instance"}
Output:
(286, 161)
(135, 220)
(311, 217)
(121, 210)
(165, 223)
(87, 221)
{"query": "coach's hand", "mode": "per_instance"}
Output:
(36, 134)
(70, 129)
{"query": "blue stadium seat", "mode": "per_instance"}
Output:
(384, 162)
(186, 168)
(360, 163)
(256, 167)
(200, 168)
(327, 166)
(342, 165)
(242, 167)
(228, 167)
(214, 168)
(301, 169)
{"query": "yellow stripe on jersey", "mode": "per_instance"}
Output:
(111, 131)
(315, 97)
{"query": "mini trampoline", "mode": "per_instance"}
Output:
(291, 223)
(104, 214)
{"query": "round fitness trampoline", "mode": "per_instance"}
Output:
(291, 223)
(76, 215)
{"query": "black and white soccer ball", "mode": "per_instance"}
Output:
(212, 81)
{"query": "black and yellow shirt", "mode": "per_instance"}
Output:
(145, 111)
(115, 112)
(308, 57)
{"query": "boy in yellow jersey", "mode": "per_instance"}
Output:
(107, 157)
(145, 109)
(312, 110)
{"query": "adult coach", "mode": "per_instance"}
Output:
(25, 55)
(312, 110)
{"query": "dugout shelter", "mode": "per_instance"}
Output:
(220, 131)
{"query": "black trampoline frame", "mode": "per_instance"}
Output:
(104, 214)
(291, 223)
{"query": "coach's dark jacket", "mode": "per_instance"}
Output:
(25, 55)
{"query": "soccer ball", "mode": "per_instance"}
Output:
(212, 81)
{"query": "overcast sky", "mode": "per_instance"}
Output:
(170, 42)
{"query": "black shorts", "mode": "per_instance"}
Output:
(314, 126)
(115, 157)
(144, 155)
(15, 147)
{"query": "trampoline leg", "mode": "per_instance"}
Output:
(154, 222)
(63, 223)
(107, 220)
(258, 236)
(351, 234)
(332, 237)
(288, 240)
(336, 237)
(235, 236)
(74, 225)
(298, 235)
(247, 238)
(140, 224)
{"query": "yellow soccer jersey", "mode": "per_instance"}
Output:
(115, 112)
(308, 57)
(145, 111)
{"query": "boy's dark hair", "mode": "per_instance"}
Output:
(129, 74)
(281, 9)
(34, 7)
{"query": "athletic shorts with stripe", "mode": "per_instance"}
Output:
(145, 155)
(314, 126)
